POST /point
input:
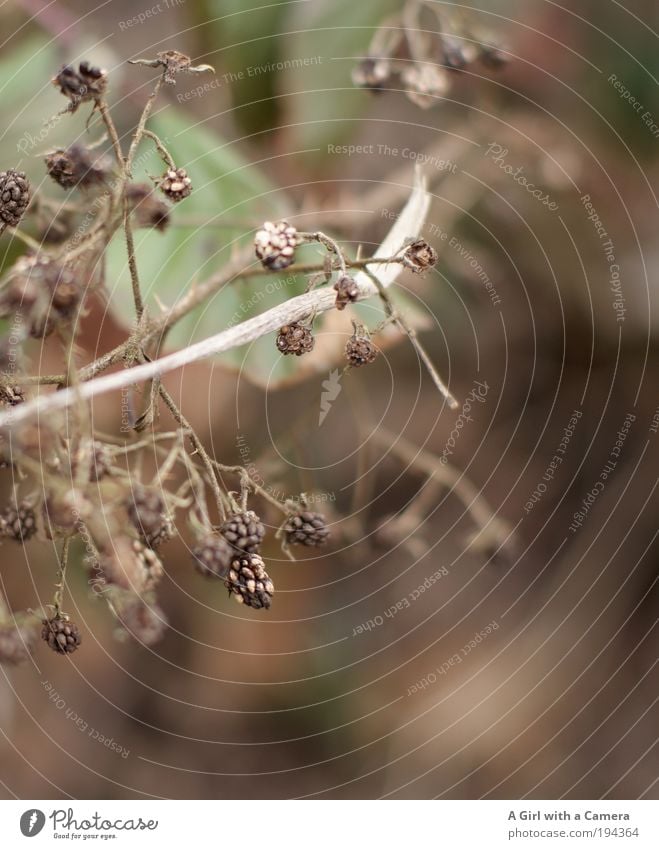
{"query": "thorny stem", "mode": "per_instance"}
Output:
(329, 244)
(402, 324)
(160, 147)
(199, 449)
(139, 132)
(61, 576)
(102, 106)
(132, 262)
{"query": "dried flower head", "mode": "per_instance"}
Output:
(419, 256)
(347, 291)
(84, 84)
(77, 166)
(61, 635)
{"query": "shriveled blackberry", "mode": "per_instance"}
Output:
(306, 528)
(18, 638)
(142, 618)
(44, 291)
(149, 210)
(275, 244)
(11, 395)
(243, 531)
(249, 583)
(77, 166)
(19, 522)
(295, 338)
(62, 635)
(150, 562)
(419, 256)
(373, 72)
(347, 291)
(14, 196)
(86, 83)
(175, 184)
(360, 351)
(148, 513)
(212, 556)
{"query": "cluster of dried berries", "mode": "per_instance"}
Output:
(360, 350)
(175, 184)
(148, 513)
(212, 556)
(61, 635)
(275, 244)
(14, 196)
(249, 583)
(295, 338)
(42, 290)
(77, 167)
(306, 528)
(18, 521)
(423, 59)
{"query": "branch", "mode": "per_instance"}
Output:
(409, 223)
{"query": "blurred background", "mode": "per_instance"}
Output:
(415, 657)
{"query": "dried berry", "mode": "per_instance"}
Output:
(19, 522)
(77, 166)
(347, 291)
(86, 83)
(11, 395)
(295, 338)
(420, 256)
(148, 209)
(360, 351)
(373, 72)
(175, 184)
(212, 556)
(306, 528)
(244, 531)
(150, 562)
(249, 583)
(275, 244)
(147, 512)
(46, 291)
(62, 635)
(14, 196)
(18, 638)
(142, 618)
(425, 84)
